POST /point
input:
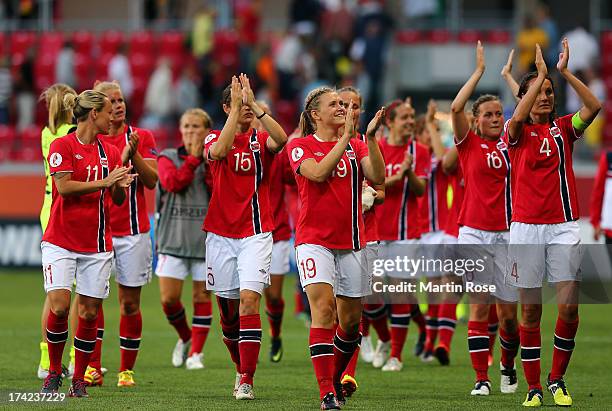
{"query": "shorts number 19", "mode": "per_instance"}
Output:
(309, 269)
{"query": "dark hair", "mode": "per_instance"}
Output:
(226, 96)
(391, 109)
(524, 86)
(485, 98)
(307, 125)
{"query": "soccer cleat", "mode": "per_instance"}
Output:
(349, 385)
(509, 382)
(419, 347)
(42, 372)
(339, 394)
(180, 352)
(103, 370)
(276, 350)
(481, 388)
(78, 389)
(245, 392)
(93, 377)
(366, 352)
(427, 356)
(195, 361)
(329, 402)
(126, 379)
(43, 365)
(534, 398)
(52, 383)
(381, 353)
(441, 353)
(236, 383)
(393, 364)
(559, 392)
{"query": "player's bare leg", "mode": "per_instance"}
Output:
(275, 306)
(200, 325)
(56, 336)
(170, 290)
(130, 332)
(509, 343)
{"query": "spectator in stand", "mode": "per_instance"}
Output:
(6, 87)
(157, 102)
(546, 23)
(287, 60)
(119, 69)
(306, 13)
(64, 65)
(585, 49)
(202, 33)
(336, 37)
(26, 101)
(248, 22)
(186, 90)
(526, 41)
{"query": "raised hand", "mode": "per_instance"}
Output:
(563, 56)
(480, 59)
(375, 123)
(406, 164)
(507, 69)
(349, 124)
(235, 94)
(115, 175)
(408, 100)
(130, 148)
(539, 61)
(197, 146)
(432, 108)
(248, 97)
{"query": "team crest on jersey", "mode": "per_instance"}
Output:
(104, 162)
(153, 151)
(209, 138)
(297, 153)
(555, 132)
(255, 146)
(350, 154)
(55, 159)
(501, 145)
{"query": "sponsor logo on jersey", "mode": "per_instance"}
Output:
(350, 154)
(534, 134)
(319, 154)
(209, 138)
(484, 146)
(255, 146)
(297, 153)
(55, 159)
(78, 157)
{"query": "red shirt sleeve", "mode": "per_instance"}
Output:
(565, 124)
(175, 179)
(298, 152)
(147, 147)
(208, 141)
(60, 157)
(423, 161)
(598, 190)
(285, 168)
(114, 157)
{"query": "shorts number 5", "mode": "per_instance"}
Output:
(309, 268)
(210, 278)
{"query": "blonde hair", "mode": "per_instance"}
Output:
(54, 100)
(82, 104)
(105, 86)
(201, 114)
(313, 100)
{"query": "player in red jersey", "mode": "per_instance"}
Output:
(330, 235)
(239, 224)
(130, 225)
(375, 312)
(601, 200)
(406, 167)
(182, 199)
(485, 166)
(544, 234)
(77, 244)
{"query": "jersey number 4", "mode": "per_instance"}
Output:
(545, 147)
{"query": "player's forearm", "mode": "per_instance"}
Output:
(146, 169)
(77, 188)
(591, 104)
(450, 161)
(277, 134)
(523, 108)
(461, 99)
(175, 179)
(380, 194)
(416, 184)
(220, 148)
(321, 171)
(377, 163)
(436, 140)
(512, 84)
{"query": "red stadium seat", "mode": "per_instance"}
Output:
(142, 42)
(101, 67)
(499, 37)
(171, 43)
(226, 45)
(469, 36)
(83, 64)
(30, 137)
(286, 114)
(141, 64)
(439, 36)
(162, 139)
(83, 42)
(408, 37)
(51, 43)
(3, 48)
(110, 41)
(22, 41)
(44, 71)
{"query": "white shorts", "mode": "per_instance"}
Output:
(538, 251)
(180, 268)
(235, 264)
(491, 249)
(432, 248)
(392, 250)
(133, 258)
(281, 250)
(62, 267)
(344, 270)
(370, 254)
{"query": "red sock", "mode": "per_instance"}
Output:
(509, 344)
(57, 334)
(493, 326)
(478, 344)
(200, 325)
(345, 346)
(84, 345)
(447, 320)
(377, 315)
(563, 348)
(417, 316)
(531, 341)
(230, 326)
(365, 326)
(351, 367)
(249, 343)
(299, 303)
(431, 328)
(400, 319)
(275, 317)
(322, 356)
(95, 361)
(176, 317)
(130, 331)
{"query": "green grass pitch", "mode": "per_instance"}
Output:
(289, 384)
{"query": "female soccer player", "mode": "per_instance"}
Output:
(180, 242)
(59, 124)
(239, 224)
(130, 226)
(544, 234)
(486, 167)
(77, 244)
(330, 233)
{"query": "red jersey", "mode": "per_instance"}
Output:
(131, 217)
(543, 182)
(486, 170)
(81, 223)
(330, 214)
(434, 204)
(282, 175)
(240, 203)
(457, 183)
(369, 217)
(601, 198)
(398, 217)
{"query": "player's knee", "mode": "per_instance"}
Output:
(249, 303)
(568, 312)
(89, 314)
(61, 310)
(200, 296)
(130, 307)
(531, 314)
(509, 325)
(325, 312)
(169, 300)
